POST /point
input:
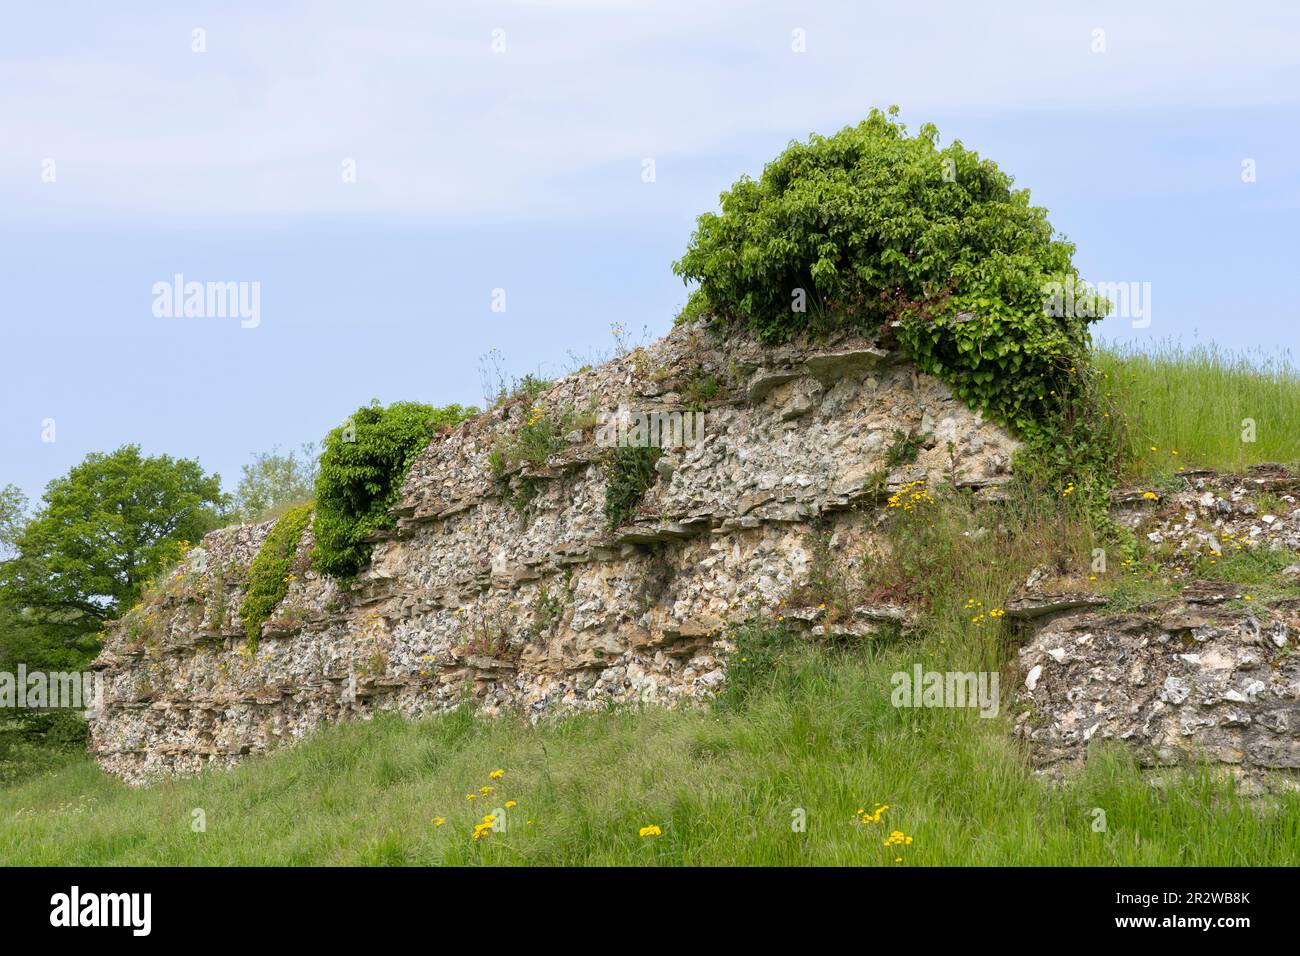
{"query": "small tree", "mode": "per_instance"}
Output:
(275, 482)
(102, 531)
(13, 515)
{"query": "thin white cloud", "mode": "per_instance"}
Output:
(443, 128)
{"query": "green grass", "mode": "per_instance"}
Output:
(819, 735)
(1186, 406)
(1260, 566)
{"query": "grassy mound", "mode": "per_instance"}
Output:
(817, 740)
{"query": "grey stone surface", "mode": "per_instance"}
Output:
(1211, 673)
(551, 609)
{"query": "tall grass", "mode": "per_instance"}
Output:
(1188, 406)
(804, 739)
(818, 742)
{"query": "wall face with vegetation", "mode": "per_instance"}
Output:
(1199, 661)
(518, 580)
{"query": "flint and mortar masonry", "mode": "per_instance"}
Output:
(548, 609)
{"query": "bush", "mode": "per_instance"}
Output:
(872, 225)
(361, 473)
(630, 472)
(268, 576)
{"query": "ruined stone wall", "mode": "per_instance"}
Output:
(548, 608)
(1197, 668)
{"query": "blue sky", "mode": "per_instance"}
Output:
(521, 169)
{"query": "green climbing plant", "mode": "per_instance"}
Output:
(362, 467)
(268, 575)
(629, 472)
(891, 234)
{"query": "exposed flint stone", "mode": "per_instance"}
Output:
(1030, 606)
(828, 367)
(562, 612)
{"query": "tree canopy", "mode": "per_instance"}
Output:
(276, 481)
(103, 530)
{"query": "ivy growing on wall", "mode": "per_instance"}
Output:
(629, 472)
(268, 575)
(888, 233)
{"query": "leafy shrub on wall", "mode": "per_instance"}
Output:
(362, 468)
(872, 226)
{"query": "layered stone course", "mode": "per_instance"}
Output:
(1210, 671)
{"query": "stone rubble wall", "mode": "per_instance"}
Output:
(549, 609)
(1212, 672)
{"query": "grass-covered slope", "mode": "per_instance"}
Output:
(724, 787)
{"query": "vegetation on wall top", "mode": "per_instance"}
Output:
(102, 532)
(872, 227)
(628, 473)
